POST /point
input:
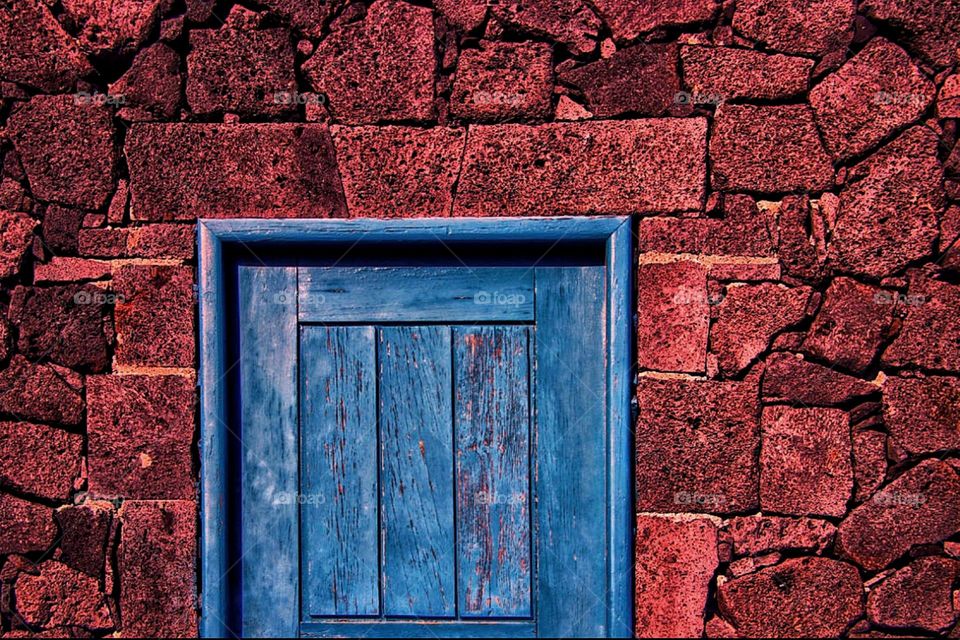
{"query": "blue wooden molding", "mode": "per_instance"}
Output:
(217, 237)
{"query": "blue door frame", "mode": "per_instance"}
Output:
(219, 237)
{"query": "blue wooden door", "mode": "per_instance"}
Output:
(423, 452)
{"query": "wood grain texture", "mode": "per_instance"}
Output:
(269, 441)
(571, 450)
(416, 444)
(418, 629)
(491, 397)
(338, 449)
(415, 294)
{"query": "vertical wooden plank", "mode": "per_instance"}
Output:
(416, 477)
(213, 436)
(493, 470)
(268, 440)
(620, 270)
(571, 451)
(338, 448)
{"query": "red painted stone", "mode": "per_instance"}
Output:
(39, 460)
(805, 464)
(768, 149)
(748, 318)
(60, 229)
(78, 339)
(223, 171)
(631, 18)
(744, 230)
(61, 596)
(673, 317)
(395, 172)
(724, 73)
(754, 535)
(502, 81)
(852, 323)
(790, 378)
(923, 414)
(112, 26)
(919, 596)
(379, 69)
(888, 212)
(931, 27)
(60, 270)
(869, 463)
(27, 527)
(140, 432)
(802, 249)
(150, 89)
(583, 168)
(249, 73)
(920, 507)
(571, 23)
(640, 80)
(675, 563)
(156, 559)
(690, 434)
(930, 337)
(154, 315)
(801, 597)
(948, 101)
(36, 51)
(811, 27)
(41, 392)
(162, 241)
(84, 531)
(877, 92)
(16, 235)
(108, 242)
(307, 16)
(67, 150)
(466, 15)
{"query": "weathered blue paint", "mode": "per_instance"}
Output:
(416, 480)
(268, 434)
(418, 629)
(339, 529)
(612, 534)
(416, 294)
(492, 406)
(571, 467)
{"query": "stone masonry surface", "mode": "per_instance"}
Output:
(793, 170)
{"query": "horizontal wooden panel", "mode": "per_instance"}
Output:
(405, 629)
(415, 294)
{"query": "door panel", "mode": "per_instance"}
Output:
(416, 448)
(493, 470)
(429, 462)
(571, 451)
(268, 451)
(416, 294)
(338, 449)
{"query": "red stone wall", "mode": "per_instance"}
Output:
(795, 172)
